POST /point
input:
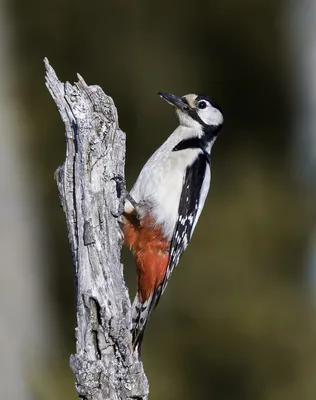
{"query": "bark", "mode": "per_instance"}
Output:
(104, 364)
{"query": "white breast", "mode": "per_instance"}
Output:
(159, 184)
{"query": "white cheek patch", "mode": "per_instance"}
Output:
(211, 116)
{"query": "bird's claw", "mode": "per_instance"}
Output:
(123, 195)
(120, 185)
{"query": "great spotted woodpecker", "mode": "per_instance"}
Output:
(164, 205)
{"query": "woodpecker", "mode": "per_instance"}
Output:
(164, 205)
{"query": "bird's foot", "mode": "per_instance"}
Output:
(123, 195)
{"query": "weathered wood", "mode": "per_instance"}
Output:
(104, 363)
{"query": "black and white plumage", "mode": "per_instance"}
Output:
(189, 206)
(170, 192)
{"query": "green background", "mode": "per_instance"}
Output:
(237, 321)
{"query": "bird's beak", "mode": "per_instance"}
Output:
(175, 101)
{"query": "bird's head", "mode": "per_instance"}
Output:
(193, 109)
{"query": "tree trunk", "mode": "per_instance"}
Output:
(104, 363)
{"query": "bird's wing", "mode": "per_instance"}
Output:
(188, 213)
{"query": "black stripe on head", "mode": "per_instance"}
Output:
(210, 131)
(207, 98)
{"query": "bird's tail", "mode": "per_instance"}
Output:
(140, 317)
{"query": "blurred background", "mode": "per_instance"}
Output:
(238, 321)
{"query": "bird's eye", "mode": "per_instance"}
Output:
(201, 105)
